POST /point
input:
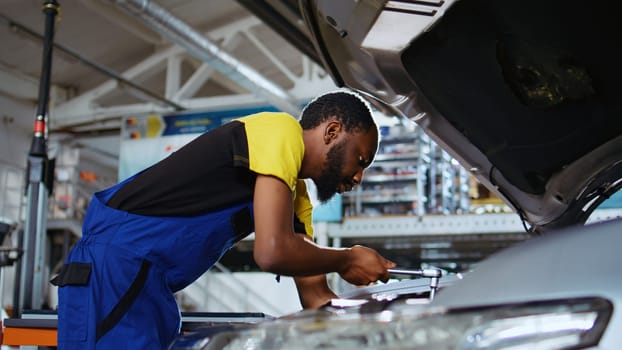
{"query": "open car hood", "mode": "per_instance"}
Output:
(524, 93)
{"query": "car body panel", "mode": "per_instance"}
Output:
(562, 268)
(576, 262)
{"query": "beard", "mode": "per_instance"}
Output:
(330, 178)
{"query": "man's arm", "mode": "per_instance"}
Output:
(313, 291)
(278, 250)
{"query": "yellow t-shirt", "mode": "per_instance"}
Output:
(218, 169)
(276, 148)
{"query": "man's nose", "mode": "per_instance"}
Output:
(358, 177)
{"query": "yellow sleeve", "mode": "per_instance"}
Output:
(275, 145)
(303, 208)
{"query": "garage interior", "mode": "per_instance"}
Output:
(116, 64)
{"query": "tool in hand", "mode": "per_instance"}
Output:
(433, 274)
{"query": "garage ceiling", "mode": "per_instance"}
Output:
(114, 58)
(110, 62)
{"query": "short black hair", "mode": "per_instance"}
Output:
(347, 107)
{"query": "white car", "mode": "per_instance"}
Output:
(526, 94)
(558, 291)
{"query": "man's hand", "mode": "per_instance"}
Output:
(279, 250)
(365, 266)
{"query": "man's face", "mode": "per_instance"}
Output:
(330, 179)
(344, 164)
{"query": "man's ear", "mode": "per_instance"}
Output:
(331, 132)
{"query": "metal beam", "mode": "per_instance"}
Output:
(427, 225)
(95, 66)
(84, 109)
(201, 47)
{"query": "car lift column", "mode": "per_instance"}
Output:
(40, 179)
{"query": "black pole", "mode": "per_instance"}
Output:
(18, 273)
(38, 181)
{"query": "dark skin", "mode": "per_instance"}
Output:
(278, 249)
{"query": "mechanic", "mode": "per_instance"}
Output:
(156, 232)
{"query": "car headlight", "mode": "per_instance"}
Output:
(556, 324)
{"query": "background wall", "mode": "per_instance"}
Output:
(16, 119)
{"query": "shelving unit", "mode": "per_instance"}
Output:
(449, 189)
(410, 175)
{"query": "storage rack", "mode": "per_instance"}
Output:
(410, 175)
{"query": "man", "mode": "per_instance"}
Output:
(158, 231)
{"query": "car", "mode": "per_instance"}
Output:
(557, 291)
(525, 95)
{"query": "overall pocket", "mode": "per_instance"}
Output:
(74, 297)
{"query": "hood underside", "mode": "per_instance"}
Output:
(526, 94)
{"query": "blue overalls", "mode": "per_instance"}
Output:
(116, 288)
